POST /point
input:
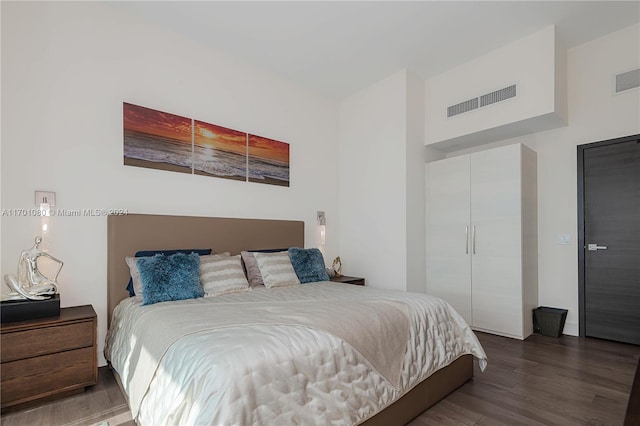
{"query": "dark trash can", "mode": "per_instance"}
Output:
(549, 321)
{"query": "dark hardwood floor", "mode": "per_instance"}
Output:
(540, 381)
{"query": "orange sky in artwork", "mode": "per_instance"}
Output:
(268, 148)
(218, 137)
(153, 122)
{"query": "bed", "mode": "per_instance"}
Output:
(318, 353)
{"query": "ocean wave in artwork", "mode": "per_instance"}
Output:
(261, 168)
(219, 162)
(156, 149)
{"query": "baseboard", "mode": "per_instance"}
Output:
(571, 328)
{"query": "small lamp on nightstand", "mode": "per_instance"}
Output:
(337, 266)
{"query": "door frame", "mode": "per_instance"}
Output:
(581, 242)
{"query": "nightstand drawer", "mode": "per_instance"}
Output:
(46, 340)
(34, 378)
(48, 357)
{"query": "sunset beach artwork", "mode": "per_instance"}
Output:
(160, 140)
(219, 151)
(157, 140)
(268, 161)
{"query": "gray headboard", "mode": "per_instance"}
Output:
(128, 234)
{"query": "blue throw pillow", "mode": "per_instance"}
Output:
(147, 253)
(173, 277)
(308, 264)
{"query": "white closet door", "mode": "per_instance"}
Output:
(496, 243)
(448, 249)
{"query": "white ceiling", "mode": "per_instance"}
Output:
(337, 48)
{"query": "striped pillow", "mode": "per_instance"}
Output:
(221, 273)
(276, 269)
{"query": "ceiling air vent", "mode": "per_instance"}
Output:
(465, 106)
(627, 80)
(498, 95)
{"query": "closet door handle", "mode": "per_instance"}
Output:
(473, 237)
(466, 239)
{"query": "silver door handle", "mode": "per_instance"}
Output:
(473, 237)
(594, 247)
(466, 239)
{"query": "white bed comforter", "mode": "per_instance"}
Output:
(234, 371)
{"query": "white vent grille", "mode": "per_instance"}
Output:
(482, 101)
(628, 80)
(465, 106)
(498, 95)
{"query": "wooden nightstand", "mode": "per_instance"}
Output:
(348, 280)
(47, 358)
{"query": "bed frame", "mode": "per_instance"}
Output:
(130, 233)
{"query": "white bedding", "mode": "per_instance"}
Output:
(242, 368)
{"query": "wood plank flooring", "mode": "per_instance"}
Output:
(541, 381)
(632, 418)
(98, 404)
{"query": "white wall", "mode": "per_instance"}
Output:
(534, 63)
(416, 154)
(0, 144)
(382, 158)
(372, 161)
(67, 68)
(595, 114)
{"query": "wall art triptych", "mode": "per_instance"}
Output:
(164, 141)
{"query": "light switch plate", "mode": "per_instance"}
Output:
(45, 197)
(564, 239)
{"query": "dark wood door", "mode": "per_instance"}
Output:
(611, 174)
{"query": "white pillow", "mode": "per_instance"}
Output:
(135, 274)
(221, 273)
(276, 269)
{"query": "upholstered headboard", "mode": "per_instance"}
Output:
(128, 234)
